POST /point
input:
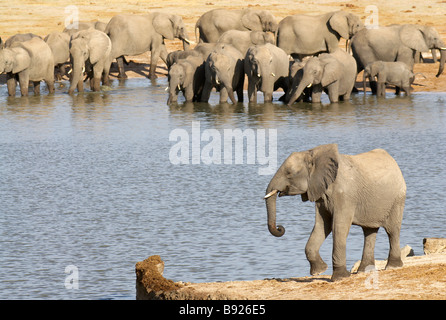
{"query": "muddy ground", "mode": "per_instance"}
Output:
(43, 17)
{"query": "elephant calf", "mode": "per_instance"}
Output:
(367, 190)
(396, 73)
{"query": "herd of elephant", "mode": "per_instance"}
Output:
(300, 54)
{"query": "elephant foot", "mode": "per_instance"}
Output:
(122, 76)
(340, 273)
(394, 263)
(318, 267)
(152, 76)
(366, 266)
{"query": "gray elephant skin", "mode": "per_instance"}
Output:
(224, 71)
(395, 73)
(242, 40)
(59, 43)
(212, 24)
(333, 72)
(201, 49)
(396, 43)
(136, 34)
(26, 61)
(367, 190)
(303, 35)
(186, 75)
(84, 25)
(267, 69)
(90, 50)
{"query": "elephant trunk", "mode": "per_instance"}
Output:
(231, 94)
(306, 82)
(442, 61)
(271, 198)
(77, 72)
(173, 93)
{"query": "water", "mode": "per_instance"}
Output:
(86, 182)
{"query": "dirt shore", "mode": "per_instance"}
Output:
(421, 278)
(43, 17)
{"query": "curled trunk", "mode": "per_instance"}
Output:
(298, 92)
(279, 230)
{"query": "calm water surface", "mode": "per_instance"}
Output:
(86, 181)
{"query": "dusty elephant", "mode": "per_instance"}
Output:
(25, 61)
(84, 25)
(212, 24)
(186, 75)
(267, 69)
(90, 50)
(396, 43)
(395, 73)
(224, 71)
(303, 35)
(136, 34)
(333, 72)
(367, 190)
(59, 42)
(242, 40)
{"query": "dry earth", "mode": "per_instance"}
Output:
(43, 17)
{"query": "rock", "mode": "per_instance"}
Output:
(434, 245)
(407, 251)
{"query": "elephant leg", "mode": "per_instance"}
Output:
(341, 226)
(95, 82)
(321, 230)
(155, 55)
(24, 82)
(267, 97)
(368, 253)
(36, 85)
(406, 90)
(189, 93)
(316, 93)
(333, 92)
(381, 89)
(11, 83)
(393, 228)
(121, 69)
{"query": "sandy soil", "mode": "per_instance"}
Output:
(421, 278)
(43, 17)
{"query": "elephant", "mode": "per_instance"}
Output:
(20, 37)
(186, 75)
(177, 55)
(295, 76)
(242, 40)
(396, 73)
(366, 189)
(224, 70)
(212, 24)
(90, 50)
(26, 61)
(135, 34)
(396, 43)
(267, 69)
(59, 43)
(98, 25)
(303, 35)
(334, 72)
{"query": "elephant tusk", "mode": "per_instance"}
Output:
(71, 70)
(217, 81)
(270, 194)
(258, 75)
(83, 69)
(189, 41)
(309, 86)
(443, 48)
(167, 88)
(272, 73)
(179, 88)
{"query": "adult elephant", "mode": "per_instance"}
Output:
(26, 61)
(59, 43)
(19, 37)
(136, 34)
(303, 35)
(333, 72)
(90, 50)
(84, 25)
(212, 24)
(242, 40)
(396, 43)
(267, 69)
(367, 190)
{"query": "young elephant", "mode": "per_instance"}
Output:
(242, 40)
(225, 72)
(59, 43)
(90, 51)
(334, 72)
(267, 68)
(186, 75)
(396, 73)
(367, 190)
(30, 60)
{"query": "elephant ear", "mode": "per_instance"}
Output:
(332, 71)
(99, 46)
(323, 163)
(339, 23)
(413, 37)
(22, 59)
(251, 20)
(163, 24)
